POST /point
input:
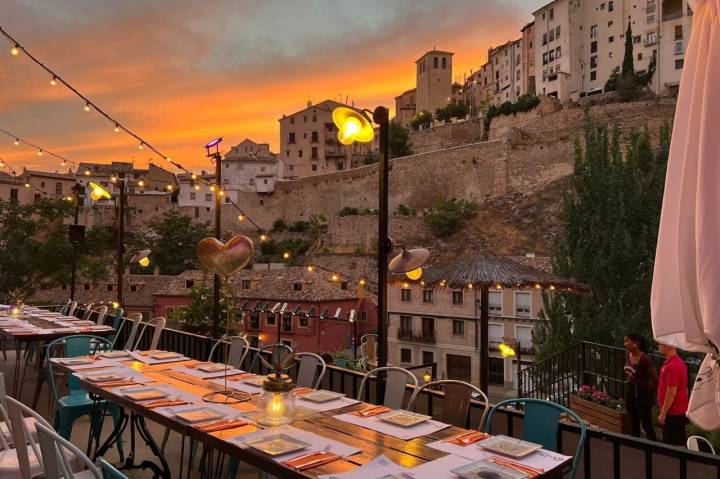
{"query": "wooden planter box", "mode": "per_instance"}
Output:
(604, 417)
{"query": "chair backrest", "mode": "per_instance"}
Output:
(276, 350)
(137, 321)
(55, 462)
(700, 444)
(395, 383)
(87, 311)
(456, 401)
(71, 308)
(117, 324)
(108, 470)
(3, 391)
(65, 307)
(73, 346)
(308, 375)
(238, 348)
(541, 422)
(101, 312)
(21, 434)
(158, 324)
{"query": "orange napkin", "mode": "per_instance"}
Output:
(371, 411)
(301, 391)
(311, 460)
(222, 425)
(114, 384)
(164, 403)
(467, 438)
(529, 470)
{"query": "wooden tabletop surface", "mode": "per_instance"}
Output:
(409, 453)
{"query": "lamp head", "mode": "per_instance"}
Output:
(352, 126)
(142, 258)
(97, 192)
(410, 262)
(506, 350)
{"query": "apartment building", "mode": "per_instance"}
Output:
(56, 185)
(195, 193)
(249, 167)
(309, 144)
(441, 325)
(527, 45)
(12, 188)
(578, 44)
(405, 107)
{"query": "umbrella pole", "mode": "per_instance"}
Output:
(485, 341)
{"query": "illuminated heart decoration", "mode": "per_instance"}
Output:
(225, 259)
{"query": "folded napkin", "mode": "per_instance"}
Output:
(311, 460)
(164, 403)
(222, 425)
(371, 411)
(518, 466)
(468, 438)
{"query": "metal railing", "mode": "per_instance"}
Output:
(606, 454)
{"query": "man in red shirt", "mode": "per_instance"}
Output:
(673, 396)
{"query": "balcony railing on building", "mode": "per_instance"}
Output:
(424, 337)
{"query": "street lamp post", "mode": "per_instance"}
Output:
(381, 116)
(77, 235)
(510, 350)
(121, 240)
(217, 158)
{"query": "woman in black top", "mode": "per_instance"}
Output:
(640, 385)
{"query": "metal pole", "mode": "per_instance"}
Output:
(216, 279)
(518, 349)
(73, 270)
(354, 339)
(121, 242)
(485, 346)
(381, 117)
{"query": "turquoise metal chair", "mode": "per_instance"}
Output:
(108, 470)
(78, 402)
(541, 423)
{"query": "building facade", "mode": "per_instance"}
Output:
(579, 44)
(249, 167)
(309, 144)
(433, 82)
(55, 185)
(405, 107)
(527, 45)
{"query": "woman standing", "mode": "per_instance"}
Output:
(640, 385)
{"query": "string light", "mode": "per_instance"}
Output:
(193, 176)
(212, 187)
(2, 164)
(197, 188)
(334, 277)
(113, 178)
(141, 145)
(53, 82)
(15, 51)
(16, 142)
(141, 183)
(169, 187)
(87, 107)
(241, 217)
(310, 268)
(221, 193)
(362, 282)
(87, 172)
(27, 185)
(263, 237)
(286, 255)
(40, 152)
(117, 128)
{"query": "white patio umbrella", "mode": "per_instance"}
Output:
(685, 301)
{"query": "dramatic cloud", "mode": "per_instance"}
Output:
(180, 72)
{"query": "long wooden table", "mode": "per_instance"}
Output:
(409, 453)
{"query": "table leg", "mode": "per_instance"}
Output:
(16, 376)
(41, 376)
(163, 472)
(114, 435)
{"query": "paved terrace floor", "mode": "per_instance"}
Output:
(632, 461)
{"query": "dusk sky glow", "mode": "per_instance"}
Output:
(181, 73)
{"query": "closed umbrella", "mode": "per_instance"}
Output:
(685, 300)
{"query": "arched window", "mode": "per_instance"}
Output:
(435, 62)
(444, 63)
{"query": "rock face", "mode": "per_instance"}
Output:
(517, 180)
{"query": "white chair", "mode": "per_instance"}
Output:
(700, 444)
(101, 312)
(4, 421)
(157, 323)
(71, 309)
(238, 349)
(396, 381)
(136, 320)
(456, 401)
(26, 464)
(55, 461)
(308, 376)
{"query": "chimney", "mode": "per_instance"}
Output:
(309, 103)
(156, 271)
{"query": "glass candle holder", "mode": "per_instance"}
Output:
(276, 404)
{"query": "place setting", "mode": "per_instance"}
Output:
(158, 356)
(207, 370)
(398, 423)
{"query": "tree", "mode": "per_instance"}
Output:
(450, 111)
(197, 316)
(628, 64)
(423, 118)
(173, 241)
(610, 224)
(399, 140)
(447, 217)
(553, 330)
(626, 81)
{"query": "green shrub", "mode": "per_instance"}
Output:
(403, 210)
(421, 119)
(279, 225)
(447, 217)
(299, 226)
(348, 211)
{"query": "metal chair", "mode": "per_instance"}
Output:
(71, 309)
(394, 385)
(78, 402)
(456, 401)
(56, 464)
(541, 422)
(24, 434)
(700, 444)
(277, 350)
(108, 470)
(157, 323)
(101, 312)
(65, 307)
(136, 319)
(238, 349)
(308, 375)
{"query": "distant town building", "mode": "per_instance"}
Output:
(249, 167)
(54, 185)
(577, 45)
(405, 107)
(309, 144)
(433, 80)
(527, 44)
(195, 193)
(12, 188)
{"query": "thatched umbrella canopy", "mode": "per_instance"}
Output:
(493, 271)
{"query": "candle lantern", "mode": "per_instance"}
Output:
(276, 404)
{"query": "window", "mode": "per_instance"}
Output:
(593, 47)
(593, 61)
(314, 167)
(458, 327)
(270, 320)
(300, 153)
(602, 7)
(523, 302)
(640, 56)
(291, 167)
(551, 55)
(593, 75)
(406, 294)
(314, 118)
(13, 194)
(314, 137)
(291, 138)
(497, 371)
(457, 297)
(651, 38)
(557, 32)
(305, 119)
(636, 39)
(254, 320)
(245, 284)
(678, 48)
(495, 303)
(303, 322)
(611, 6)
(551, 36)
(208, 196)
(109, 287)
(314, 153)
(444, 63)
(428, 357)
(86, 287)
(292, 120)
(679, 64)
(405, 355)
(133, 288)
(435, 62)
(557, 55)
(428, 327)
(428, 296)
(344, 285)
(189, 283)
(251, 181)
(58, 188)
(672, 9)
(545, 58)
(286, 325)
(192, 196)
(406, 324)
(593, 31)
(552, 14)
(297, 286)
(254, 341)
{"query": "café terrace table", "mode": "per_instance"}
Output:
(408, 453)
(39, 329)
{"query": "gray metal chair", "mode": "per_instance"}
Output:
(56, 463)
(456, 401)
(700, 444)
(308, 365)
(28, 459)
(395, 383)
(136, 320)
(71, 309)
(276, 350)
(101, 312)
(157, 323)
(238, 349)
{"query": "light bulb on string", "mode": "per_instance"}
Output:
(141, 146)
(193, 176)
(141, 183)
(87, 172)
(40, 152)
(16, 142)
(15, 51)
(53, 82)
(27, 185)
(197, 187)
(87, 106)
(117, 128)
(168, 159)
(212, 187)
(241, 217)
(113, 178)
(310, 268)
(2, 164)
(263, 237)
(221, 192)
(62, 163)
(169, 187)
(286, 255)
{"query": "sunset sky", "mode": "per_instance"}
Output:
(182, 72)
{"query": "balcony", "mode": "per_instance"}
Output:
(427, 337)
